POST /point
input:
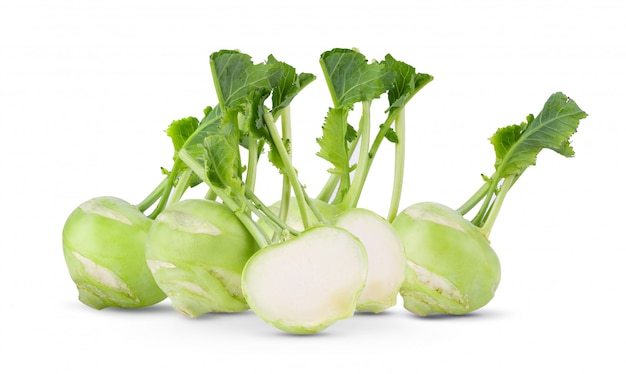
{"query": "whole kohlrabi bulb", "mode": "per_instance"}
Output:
(104, 247)
(451, 267)
(196, 250)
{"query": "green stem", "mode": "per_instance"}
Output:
(218, 88)
(153, 196)
(477, 197)
(327, 191)
(479, 219)
(166, 190)
(263, 211)
(289, 170)
(356, 189)
(352, 197)
(318, 215)
(391, 118)
(253, 158)
(398, 175)
(497, 204)
(285, 120)
(210, 195)
(181, 186)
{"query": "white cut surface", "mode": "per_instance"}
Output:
(308, 280)
(385, 253)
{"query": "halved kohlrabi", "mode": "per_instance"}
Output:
(386, 258)
(307, 283)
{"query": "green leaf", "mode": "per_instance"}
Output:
(221, 159)
(352, 79)
(351, 133)
(210, 124)
(288, 84)
(255, 109)
(391, 135)
(236, 76)
(406, 83)
(333, 146)
(180, 130)
(274, 156)
(517, 146)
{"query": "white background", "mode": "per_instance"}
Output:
(87, 88)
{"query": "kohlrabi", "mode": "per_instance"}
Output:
(302, 263)
(353, 80)
(451, 266)
(196, 250)
(386, 258)
(104, 247)
(306, 283)
(104, 238)
(294, 259)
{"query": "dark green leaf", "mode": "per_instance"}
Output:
(221, 157)
(288, 84)
(274, 156)
(351, 133)
(352, 79)
(406, 83)
(391, 135)
(517, 146)
(236, 76)
(210, 124)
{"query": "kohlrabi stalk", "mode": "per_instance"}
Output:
(288, 169)
(208, 226)
(398, 175)
(286, 192)
(351, 79)
(104, 238)
(452, 268)
(242, 89)
(185, 133)
(517, 147)
(301, 304)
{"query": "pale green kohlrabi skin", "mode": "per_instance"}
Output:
(451, 267)
(386, 258)
(104, 248)
(196, 250)
(307, 283)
